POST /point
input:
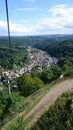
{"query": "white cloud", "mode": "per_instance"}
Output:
(3, 24)
(18, 28)
(27, 9)
(60, 21)
(63, 15)
(15, 29)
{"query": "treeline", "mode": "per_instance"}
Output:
(59, 116)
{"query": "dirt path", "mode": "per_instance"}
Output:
(46, 101)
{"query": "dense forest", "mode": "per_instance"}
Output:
(58, 49)
(59, 116)
(19, 53)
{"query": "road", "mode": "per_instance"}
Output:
(47, 100)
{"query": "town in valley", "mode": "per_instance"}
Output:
(37, 58)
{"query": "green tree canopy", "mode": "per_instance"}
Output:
(27, 85)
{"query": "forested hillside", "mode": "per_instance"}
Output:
(59, 46)
(19, 53)
(59, 116)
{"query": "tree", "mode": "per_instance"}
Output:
(47, 75)
(27, 85)
(56, 71)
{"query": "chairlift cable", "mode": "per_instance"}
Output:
(9, 39)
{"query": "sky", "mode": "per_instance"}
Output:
(37, 17)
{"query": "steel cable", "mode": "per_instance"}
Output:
(9, 38)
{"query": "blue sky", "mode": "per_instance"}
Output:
(37, 17)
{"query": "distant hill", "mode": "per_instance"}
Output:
(32, 40)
